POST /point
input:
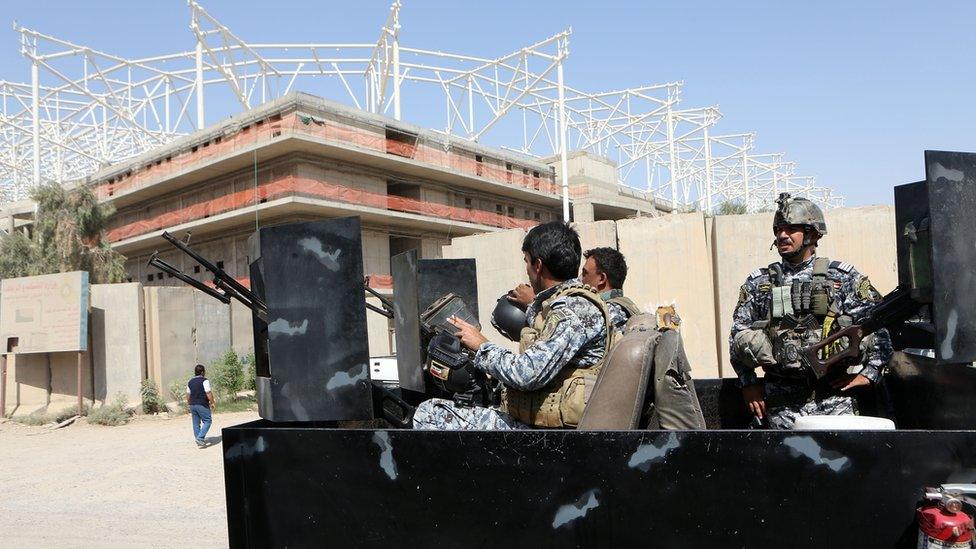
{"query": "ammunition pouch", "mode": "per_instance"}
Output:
(753, 349)
(800, 316)
(560, 404)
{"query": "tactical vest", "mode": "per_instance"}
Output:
(561, 402)
(800, 315)
(627, 304)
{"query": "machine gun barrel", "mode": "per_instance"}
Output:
(894, 309)
(376, 309)
(167, 268)
(222, 280)
(387, 305)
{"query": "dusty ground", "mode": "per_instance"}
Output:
(145, 484)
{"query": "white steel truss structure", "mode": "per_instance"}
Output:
(85, 109)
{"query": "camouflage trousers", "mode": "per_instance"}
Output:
(444, 415)
(784, 416)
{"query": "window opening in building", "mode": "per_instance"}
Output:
(400, 244)
(511, 211)
(149, 277)
(401, 143)
(405, 190)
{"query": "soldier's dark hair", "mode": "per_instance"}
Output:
(198, 370)
(557, 245)
(611, 263)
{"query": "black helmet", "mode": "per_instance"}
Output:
(508, 318)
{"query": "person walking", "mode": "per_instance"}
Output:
(200, 399)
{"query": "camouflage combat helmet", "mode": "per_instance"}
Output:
(799, 211)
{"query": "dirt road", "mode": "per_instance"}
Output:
(145, 484)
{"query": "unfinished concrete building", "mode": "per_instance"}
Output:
(301, 158)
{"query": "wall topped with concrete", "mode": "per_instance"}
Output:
(183, 328)
(118, 340)
(668, 262)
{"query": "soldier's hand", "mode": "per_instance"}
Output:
(470, 336)
(521, 294)
(755, 399)
(849, 381)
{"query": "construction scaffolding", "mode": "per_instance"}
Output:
(84, 110)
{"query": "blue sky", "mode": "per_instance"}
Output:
(853, 92)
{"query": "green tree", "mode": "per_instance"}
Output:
(67, 235)
(731, 208)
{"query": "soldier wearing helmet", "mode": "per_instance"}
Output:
(792, 304)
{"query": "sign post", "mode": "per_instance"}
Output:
(44, 314)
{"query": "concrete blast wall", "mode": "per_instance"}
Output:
(596, 234)
(668, 262)
(183, 328)
(696, 262)
(118, 340)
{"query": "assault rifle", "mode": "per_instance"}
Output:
(891, 312)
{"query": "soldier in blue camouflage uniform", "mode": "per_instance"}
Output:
(791, 305)
(567, 341)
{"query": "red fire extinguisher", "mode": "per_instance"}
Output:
(941, 520)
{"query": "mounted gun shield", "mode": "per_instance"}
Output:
(418, 284)
(312, 355)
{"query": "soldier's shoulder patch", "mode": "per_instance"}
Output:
(556, 316)
(841, 266)
(765, 287)
(743, 295)
(757, 273)
(866, 291)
